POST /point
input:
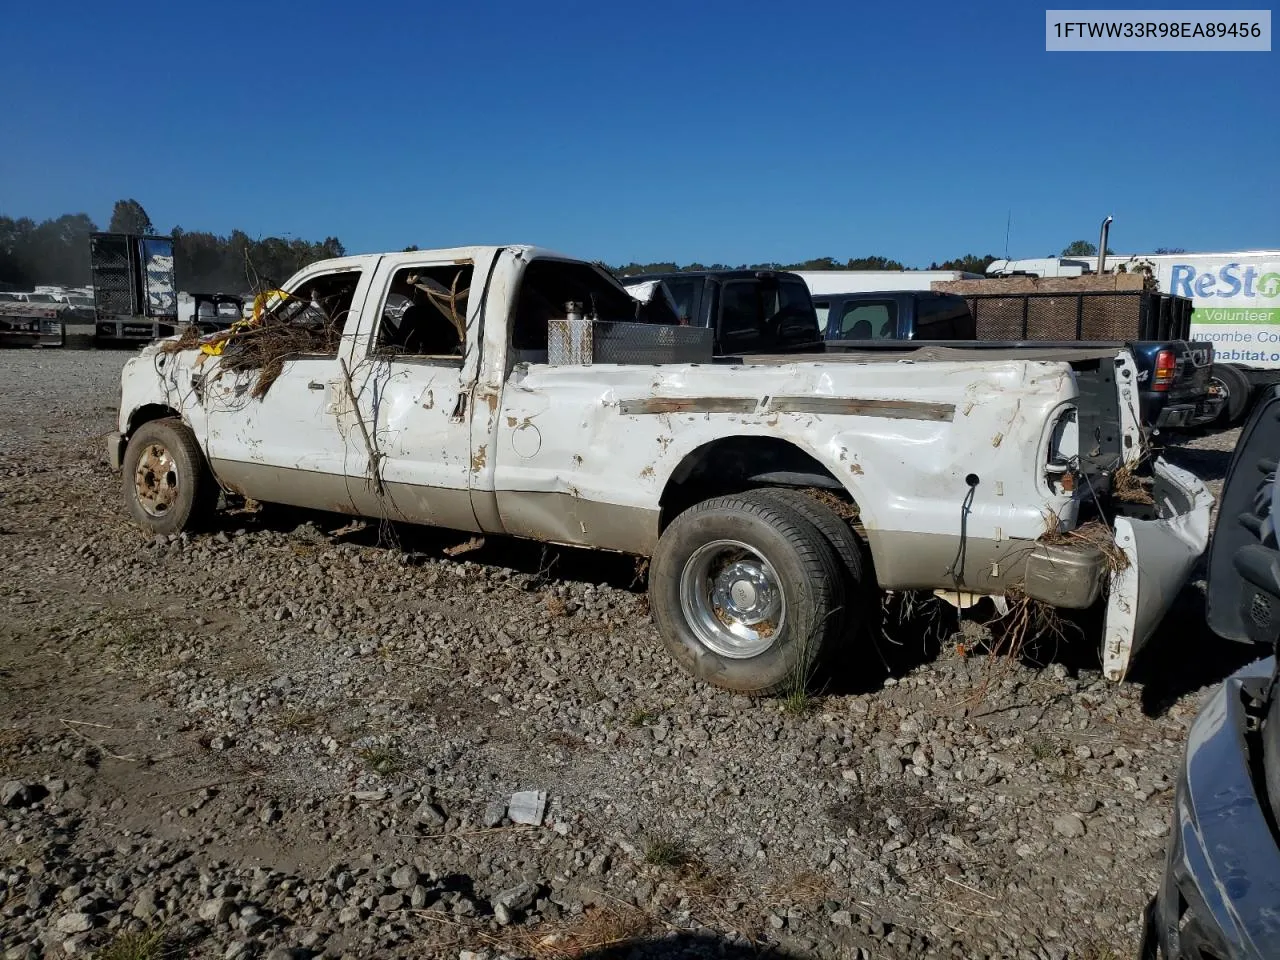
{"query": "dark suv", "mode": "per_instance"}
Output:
(751, 311)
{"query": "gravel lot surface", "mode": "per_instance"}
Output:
(283, 739)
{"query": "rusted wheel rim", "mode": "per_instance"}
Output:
(156, 480)
(732, 598)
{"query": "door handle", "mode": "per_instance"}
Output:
(315, 386)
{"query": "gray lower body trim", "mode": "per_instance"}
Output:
(564, 518)
(271, 484)
(552, 517)
(413, 503)
(1068, 576)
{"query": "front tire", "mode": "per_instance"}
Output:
(168, 487)
(746, 593)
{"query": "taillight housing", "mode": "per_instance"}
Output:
(1166, 367)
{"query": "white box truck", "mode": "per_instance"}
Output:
(822, 282)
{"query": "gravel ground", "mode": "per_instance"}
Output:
(287, 739)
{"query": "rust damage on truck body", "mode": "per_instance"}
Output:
(661, 405)
(855, 407)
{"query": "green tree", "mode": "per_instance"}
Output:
(1083, 248)
(54, 251)
(872, 263)
(15, 242)
(128, 217)
(969, 263)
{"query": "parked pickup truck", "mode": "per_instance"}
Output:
(1174, 375)
(766, 492)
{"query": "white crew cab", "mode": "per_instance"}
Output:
(509, 391)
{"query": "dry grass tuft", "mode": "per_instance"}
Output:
(596, 929)
(1043, 749)
(1027, 620)
(188, 340)
(556, 607)
(1127, 486)
(639, 717)
(147, 945)
(12, 739)
(798, 701)
(642, 572)
(804, 887)
(383, 760)
(264, 347)
(844, 509)
(664, 850)
(1097, 534)
(298, 720)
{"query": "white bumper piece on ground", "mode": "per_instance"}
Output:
(1161, 554)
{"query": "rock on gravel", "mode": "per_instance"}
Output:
(15, 793)
(1069, 825)
(75, 923)
(405, 878)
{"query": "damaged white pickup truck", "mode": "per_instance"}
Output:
(509, 390)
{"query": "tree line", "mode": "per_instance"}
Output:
(969, 262)
(56, 252)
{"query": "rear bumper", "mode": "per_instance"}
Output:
(1160, 552)
(133, 331)
(45, 333)
(1160, 549)
(1162, 544)
(1189, 414)
(1222, 869)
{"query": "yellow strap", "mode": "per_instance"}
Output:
(261, 299)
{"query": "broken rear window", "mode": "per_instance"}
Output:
(548, 285)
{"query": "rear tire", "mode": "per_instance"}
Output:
(1238, 389)
(848, 545)
(168, 487)
(746, 593)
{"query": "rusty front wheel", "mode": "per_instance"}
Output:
(167, 485)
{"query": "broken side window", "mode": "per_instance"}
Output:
(424, 313)
(314, 315)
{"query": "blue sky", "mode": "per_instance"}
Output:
(713, 131)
